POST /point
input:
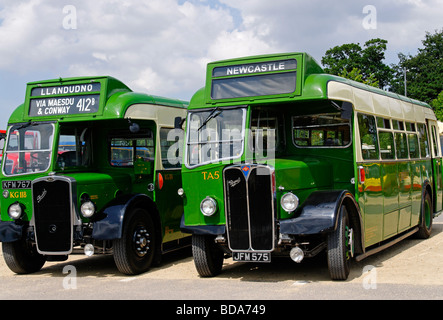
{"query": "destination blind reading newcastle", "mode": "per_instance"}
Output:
(258, 81)
(63, 100)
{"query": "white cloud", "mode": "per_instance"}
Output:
(163, 46)
(119, 38)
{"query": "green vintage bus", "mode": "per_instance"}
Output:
(282, 159)
(86, 170)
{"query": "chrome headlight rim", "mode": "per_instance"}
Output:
(289, 202)
(208, 206)
(87, 209)
(15, 211)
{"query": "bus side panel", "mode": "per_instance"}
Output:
(390, 198)
(404, 195)
(373, 203)
(169, 203)
(416, 191)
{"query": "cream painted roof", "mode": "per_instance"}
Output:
(163, 115)
(378, 104)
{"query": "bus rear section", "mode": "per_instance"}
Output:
(277, 149)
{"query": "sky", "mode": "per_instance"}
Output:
(161, 47)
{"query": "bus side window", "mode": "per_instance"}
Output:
(170, 144)
(424, 142)
(401, 145)
(125, 150)
(434, 140)
(386, 145)
(413, 146)
(368, 136)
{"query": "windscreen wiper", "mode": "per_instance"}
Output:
(214, 113)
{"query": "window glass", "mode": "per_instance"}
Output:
(434, 140)
(214, 135)
(264, 131)
(424, 142)
(170, 146)
(74, 148)
(413, 145)
(28, 149)
(401, 145)
(321, 130)
(125, 150)
(383, 123)
(251, 86)
(368, 136)
(386, 145)
(398, 125)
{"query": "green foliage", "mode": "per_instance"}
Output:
(356, 75)
(424, 71)
(437, 105)
(368, 60)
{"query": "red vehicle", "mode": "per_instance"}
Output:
(2, 142)
(28, 159)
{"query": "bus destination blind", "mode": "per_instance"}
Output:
(59, 100)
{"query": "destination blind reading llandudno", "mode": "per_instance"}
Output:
(63, 100)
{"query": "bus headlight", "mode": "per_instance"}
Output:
(289, 202)
(87, 209)
(208, 206)
(15, 211)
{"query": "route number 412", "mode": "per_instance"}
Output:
(84, 103)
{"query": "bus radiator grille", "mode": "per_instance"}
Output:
(249, 208)
(52, 216)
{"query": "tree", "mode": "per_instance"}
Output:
(424, 71)
(342, 60)
(356, 75)
(437, 105)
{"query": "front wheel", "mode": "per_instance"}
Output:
(340, 247)
(208, 257)
(134, 251)
(22, 257)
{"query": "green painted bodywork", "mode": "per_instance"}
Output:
(101, 181)
(389, 201)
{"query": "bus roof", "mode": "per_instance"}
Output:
(273, 78)
(82, 99)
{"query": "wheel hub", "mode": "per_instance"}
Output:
(349, 242)
(141, 241)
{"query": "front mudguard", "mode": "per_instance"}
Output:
(319, 213)
(110, 223)
(10, 231)
(202, 229)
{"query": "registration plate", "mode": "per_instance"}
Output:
(252, 256)
(16, 184)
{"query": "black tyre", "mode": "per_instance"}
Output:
(134, 252)
(22, 257)
(340, 248)
(426, 216)
(208, 257)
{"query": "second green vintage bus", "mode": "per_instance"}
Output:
(86, 169)
(283, 160)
